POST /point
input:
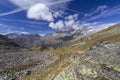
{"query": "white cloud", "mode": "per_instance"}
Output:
(107, 13)
(56, 14)
(47, 10)
(53, 4)
(57, 2)
(93, 24)
(59, 13)
(52, 25)
(40, 12)
(76, 25)
(96, 26)
(68, 9)
(11, 12)
(25, 21)
(72, 17)
(24, 33)
(43, 7)
(42, 34)
(99, 9)
(70, 21)
(58, 25)
(28, 3)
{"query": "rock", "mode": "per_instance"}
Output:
(15, 65)
(100, 62)
(29, 72)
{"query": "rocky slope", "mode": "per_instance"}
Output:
(94, 57)
(55, 40)
(24, 40)
(60, 38)
(100, 62)
(91, 57)
(7, 43)
(14, 65)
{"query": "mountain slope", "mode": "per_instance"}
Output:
(24, 40)
(91, 57)
(87, 51)
(100, 62)
(60, 38)
(77, 60)
(6, 42)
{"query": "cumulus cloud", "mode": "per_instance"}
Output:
(56, 14)
(58, 25)
(72, 21)
(76, 25)
(39, 9)
(68, 22)
(72, 17)
(59, 13)
(52, 25)
(40, 12)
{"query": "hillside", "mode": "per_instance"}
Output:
(76, 52)
(24, 40)
(92, 57)
(7, 43)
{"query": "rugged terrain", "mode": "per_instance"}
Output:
(6, 43)
(24, 40)
(85, 57)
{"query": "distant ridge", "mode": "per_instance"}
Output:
(7, 43)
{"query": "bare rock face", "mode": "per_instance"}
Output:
(100, 62)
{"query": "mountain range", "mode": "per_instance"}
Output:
(5, 42)
(55, 40)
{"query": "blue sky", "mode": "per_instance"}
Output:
(46, 16)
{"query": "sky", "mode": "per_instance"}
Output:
(47, 16)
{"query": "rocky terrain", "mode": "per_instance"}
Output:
(6, 43)
(100, 62)
(81, 57)
(14, 65)
(55, 40)
(24, 40)
(60, 38)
